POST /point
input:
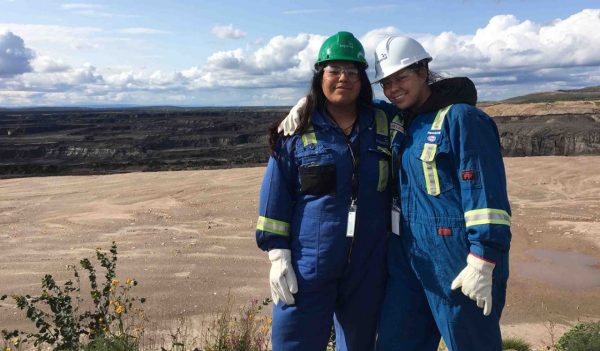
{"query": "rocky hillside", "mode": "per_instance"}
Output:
(550, 135)
(39, 142)
(83, 141)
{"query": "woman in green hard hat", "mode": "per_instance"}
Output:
(324, 209)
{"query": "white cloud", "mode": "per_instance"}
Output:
(227, 32)
(506, 57)
(15, 58)
(46, 64)
(39, 36)
(514, 53)
(90, 10)
(507, 43)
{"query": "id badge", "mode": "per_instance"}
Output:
(351, 220)
(396, 219)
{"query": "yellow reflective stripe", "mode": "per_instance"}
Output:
(439, 118)
(432, 182)
(381, 123)
(487, 216)
(385, 150)
(273, 226)
(431, 178)
(309, 137)
(430, 173)
(428, 153)
(383, 175)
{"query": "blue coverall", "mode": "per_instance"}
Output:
(304, 203)
(454, 202)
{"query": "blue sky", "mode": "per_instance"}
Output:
(240, 52)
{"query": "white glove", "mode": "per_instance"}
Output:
(292, 120)
(476, 282)
(282, 276)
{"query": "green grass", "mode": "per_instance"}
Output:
(515, 344)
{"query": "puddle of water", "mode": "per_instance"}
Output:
(563, 269)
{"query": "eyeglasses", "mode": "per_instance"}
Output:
(351, 73)
(392, 80)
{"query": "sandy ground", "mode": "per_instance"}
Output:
(188, 238)
(533, 109)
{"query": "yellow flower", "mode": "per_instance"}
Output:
(111, 290)
(119, 309)
(114, 282)
(7, 348)
(110, 302)
(16, 340)
(129, 281)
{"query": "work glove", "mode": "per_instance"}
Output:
(476, 282)
(282, 276)
(292, 120)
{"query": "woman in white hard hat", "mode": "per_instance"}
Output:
(323, 211)
(448, 263)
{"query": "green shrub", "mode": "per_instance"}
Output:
(515, 344)
(582, 337)
(115, 343)
(56, 312)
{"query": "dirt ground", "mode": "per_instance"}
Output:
(541, 108)
(188, 238)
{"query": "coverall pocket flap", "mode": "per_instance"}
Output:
(434, 170)
(318, 179)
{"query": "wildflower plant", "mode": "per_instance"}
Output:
(11, 341)
(58, 319)
(249, 330)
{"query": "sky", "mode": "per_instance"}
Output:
(261, 53)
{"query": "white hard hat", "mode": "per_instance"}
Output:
(395, 53)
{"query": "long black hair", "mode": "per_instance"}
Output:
(316, 100)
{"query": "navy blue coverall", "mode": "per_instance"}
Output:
(304, 203)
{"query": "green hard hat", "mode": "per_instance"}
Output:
(342, 46)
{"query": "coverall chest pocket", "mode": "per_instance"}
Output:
(382, 157)
(433, 168)
(316, 170)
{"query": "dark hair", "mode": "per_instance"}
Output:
(432, 77)
(316, 100)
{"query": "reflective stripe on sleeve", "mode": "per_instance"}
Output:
(487, 216)
(439, 118)
(273, 226)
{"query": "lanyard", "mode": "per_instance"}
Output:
(354, 149)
